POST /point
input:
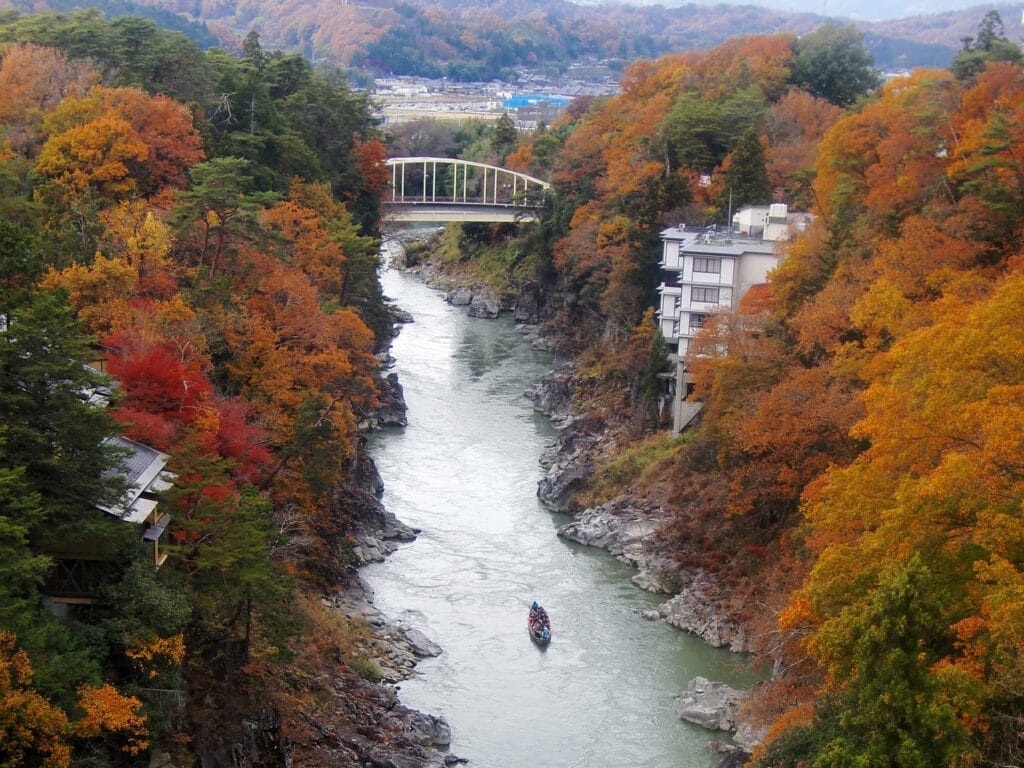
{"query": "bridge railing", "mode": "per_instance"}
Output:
(439, 180)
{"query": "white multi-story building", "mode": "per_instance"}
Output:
(707, 270)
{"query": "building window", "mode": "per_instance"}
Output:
(708, 266)
(678, 303)
(697, 321)
(675, 327)
(704, 295)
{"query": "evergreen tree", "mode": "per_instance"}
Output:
(505, 138)
(48, 427)
(990, 45)
(746, 177)
(831, 63)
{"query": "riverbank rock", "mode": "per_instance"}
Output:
(710, 705)
(537, 337)
(527, 308)
(734, 758)
(392, 411)
(460, 297)
(567, 467)
(484, 304)
(695, 609)
(421, 644)
(626, 527)
(552, 395)
(434, 730)
(622, 526)
(748, 735)
(377, 532)
(480, 301)
(397, 647)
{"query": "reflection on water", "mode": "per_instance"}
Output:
(465, 471)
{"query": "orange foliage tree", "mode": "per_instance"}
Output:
(112, 717)
(33, 82)
(32, 731)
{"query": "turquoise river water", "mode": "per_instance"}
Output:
(465, 471)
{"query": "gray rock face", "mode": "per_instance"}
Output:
(626, 527)
(538, 339)
(710, 705)
(694, 610)
(556, 488)
(621, 526)
(484, 304)
(428, 728)
(552, 395)
(393, 410)
(460, 297)
(422, 645)
(527, 307)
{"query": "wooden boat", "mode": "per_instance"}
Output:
(539, 625)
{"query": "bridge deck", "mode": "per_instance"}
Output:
(466, 212)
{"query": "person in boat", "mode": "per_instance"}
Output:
(538, 615)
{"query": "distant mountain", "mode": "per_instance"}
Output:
(465, 40)
(853, 10)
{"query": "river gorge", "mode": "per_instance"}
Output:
(464, 472)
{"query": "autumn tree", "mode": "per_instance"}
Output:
(33, 82)
(32, 731)
(119, 140)
(794, 126)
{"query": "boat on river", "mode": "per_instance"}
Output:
(539, 625)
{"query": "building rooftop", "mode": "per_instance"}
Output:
(717, 240)
(143, 469)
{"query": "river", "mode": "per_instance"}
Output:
(465, 471)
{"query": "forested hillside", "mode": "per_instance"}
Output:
(856, 475)
(484, 40)
(201, 227)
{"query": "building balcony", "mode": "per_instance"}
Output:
(666, 289)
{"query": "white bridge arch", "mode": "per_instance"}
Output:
(448, 189)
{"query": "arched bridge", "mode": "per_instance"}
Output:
(442, 189)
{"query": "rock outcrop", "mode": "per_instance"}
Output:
(695, 609)
(621, 526)
(484, 304)
(392, 411)
(710, 705)
(552, 395)
(460, 297)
